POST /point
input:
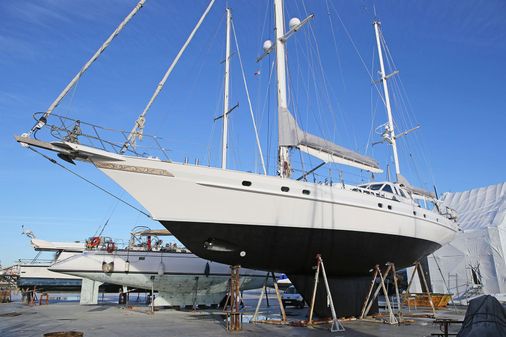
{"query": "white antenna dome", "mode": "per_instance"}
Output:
(267, 45)
(293, 22)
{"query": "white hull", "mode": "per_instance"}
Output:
(189, 193)
(180, 278)
(38, 274)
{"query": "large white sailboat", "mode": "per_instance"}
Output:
(273, 222)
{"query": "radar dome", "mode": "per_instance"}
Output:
(294, 22)
(267, 45)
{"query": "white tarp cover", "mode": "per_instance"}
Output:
(480, 248)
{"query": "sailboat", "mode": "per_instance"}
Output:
(274, 223)
(180, 278)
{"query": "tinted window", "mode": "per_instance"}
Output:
(387, 188)
(375, 187)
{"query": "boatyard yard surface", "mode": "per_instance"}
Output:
(112, 320)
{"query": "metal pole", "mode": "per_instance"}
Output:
(284, 158)
(362, 315)
(387, 99)
(254, 318)
(392, 319)
(332, 309)
(311, 309)
(139, 123)
(427, 289)
(375, 293)
(283, 313)
(399, 307)
(226, 93)
(88, 64)
(152, 294)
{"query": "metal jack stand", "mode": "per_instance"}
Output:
(336, 324)
(418, 268)
(234, 316)
(369, 301)
(278, 296)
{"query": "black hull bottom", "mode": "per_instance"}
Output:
(348, 255)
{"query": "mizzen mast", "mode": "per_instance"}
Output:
(389, 129)
(226, 94)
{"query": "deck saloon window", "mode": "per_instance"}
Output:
(387, 188)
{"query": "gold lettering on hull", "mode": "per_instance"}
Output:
(134, 169)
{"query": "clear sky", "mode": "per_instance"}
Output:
(450, 56)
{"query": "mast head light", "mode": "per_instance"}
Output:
(267, 45)
(294, 22)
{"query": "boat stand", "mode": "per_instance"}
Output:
(392, 319)
(234, 315)
(278, 296)
(336, 325)
(418, 268)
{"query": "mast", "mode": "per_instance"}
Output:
(390, 128)
(283, 154)
(226, 94)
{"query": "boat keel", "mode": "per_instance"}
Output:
(348, 294)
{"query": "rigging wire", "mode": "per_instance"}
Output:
(334, 40)
(317, 58)
(249, 99)
(88, 181)
(357, 51)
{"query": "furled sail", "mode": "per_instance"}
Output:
(404, 182)
(290, 134)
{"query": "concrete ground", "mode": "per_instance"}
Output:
(20, 320)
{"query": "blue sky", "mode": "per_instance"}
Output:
(450, 56)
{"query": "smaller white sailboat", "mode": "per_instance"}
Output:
(30, 273)
(179, 277)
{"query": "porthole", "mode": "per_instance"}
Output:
(414, 212)
(285, 188)
(389, 207)
(380, 205)
(141, 258)
(306, 192)
(246, 183)
(425, 215)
